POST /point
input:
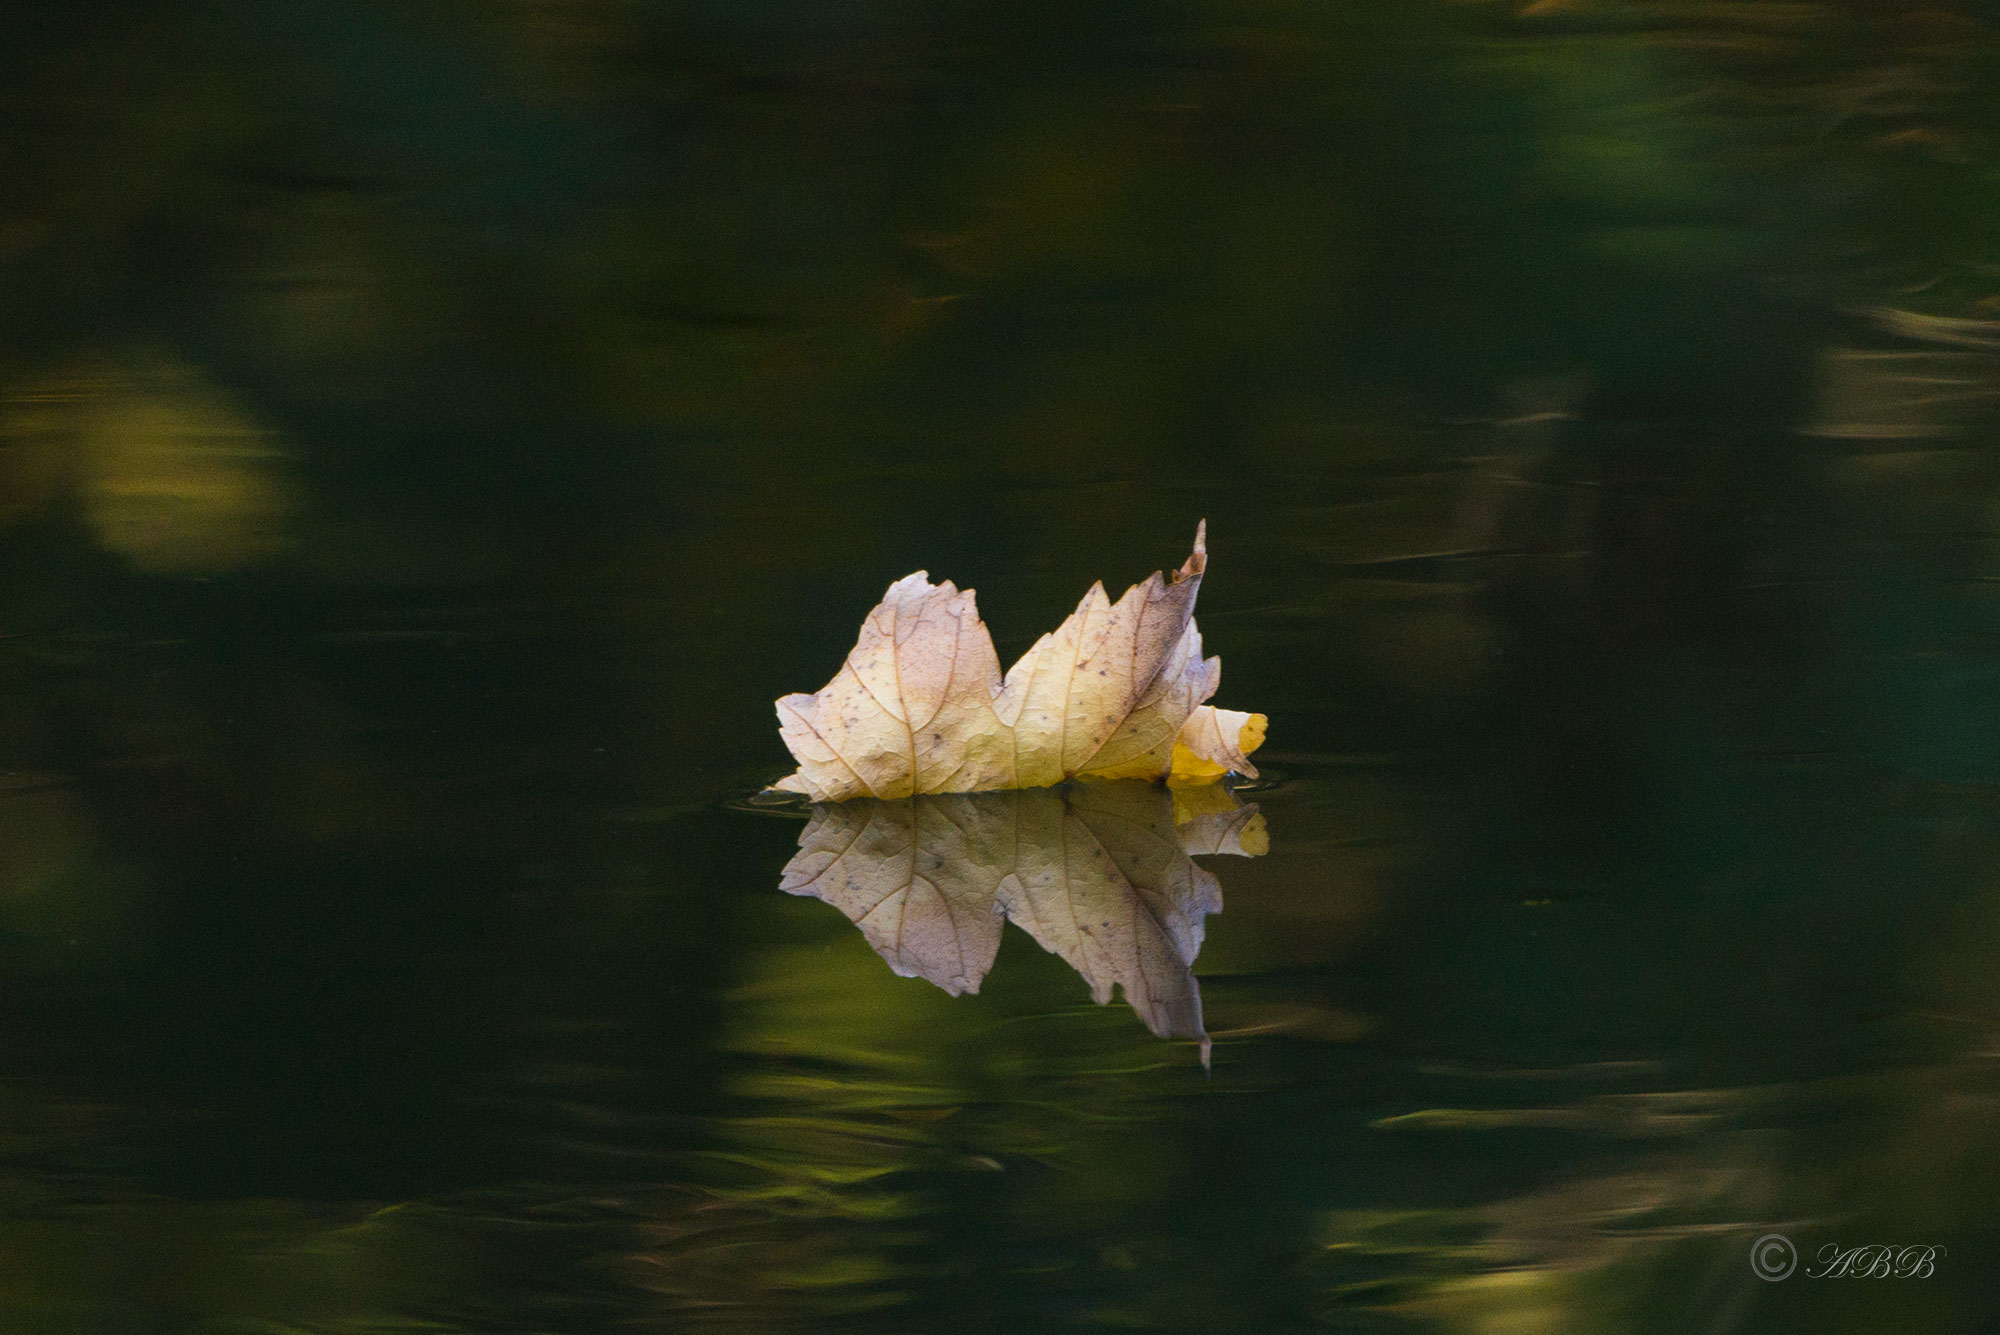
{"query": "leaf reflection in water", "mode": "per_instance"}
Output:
(1100, 874)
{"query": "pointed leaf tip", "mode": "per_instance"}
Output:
(1197, 561)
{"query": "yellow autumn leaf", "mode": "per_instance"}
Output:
(1099, 874)
(1114, 692)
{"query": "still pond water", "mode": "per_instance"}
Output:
(434, 435)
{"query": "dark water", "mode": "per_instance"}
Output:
(434, 434)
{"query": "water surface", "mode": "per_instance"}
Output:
(432, 438)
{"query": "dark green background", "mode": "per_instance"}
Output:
(432, 433)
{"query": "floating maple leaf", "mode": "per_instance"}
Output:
(1116, 691)
(1099, 874)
